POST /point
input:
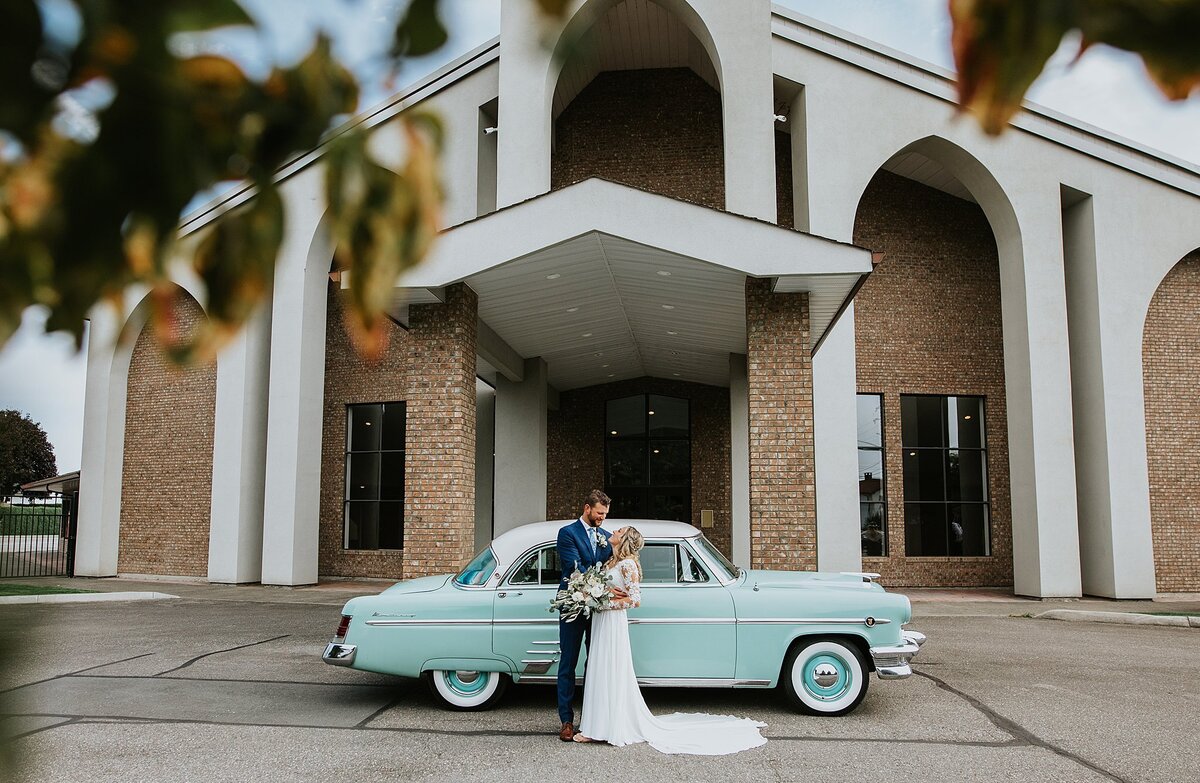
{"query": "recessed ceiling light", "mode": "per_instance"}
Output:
(586, 334)
(656, 451)
(367, 423)
(610, 375)
(675, 374)
(664, 273)
(967, 417)
(604, 365)
(651, 413)
(572, 309)
(672, 333)
(668, 307)
(614, 432)
(554, 276)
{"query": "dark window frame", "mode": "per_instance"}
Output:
(945, 448)
(881, 449)
(378, 501)
(648, 488)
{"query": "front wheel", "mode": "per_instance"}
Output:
(467, 690)
(825, 677)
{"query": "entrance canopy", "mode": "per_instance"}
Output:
(607, 282)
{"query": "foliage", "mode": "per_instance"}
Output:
(25, 452)
(8, 588)
(1001, 46)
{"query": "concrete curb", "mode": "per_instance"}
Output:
(1125, 618)
(81, 598)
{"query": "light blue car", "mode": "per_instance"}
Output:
(703, 622)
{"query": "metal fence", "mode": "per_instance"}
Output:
(37, 535)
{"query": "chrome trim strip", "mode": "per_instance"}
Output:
(542, 652)
(537, 661)
(555, 643)
(682, 621)
(811, 621)
(429, 622)
(645, 621)
(664, 682)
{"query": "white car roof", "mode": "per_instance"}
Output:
(513, 543)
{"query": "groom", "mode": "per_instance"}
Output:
(581, 544)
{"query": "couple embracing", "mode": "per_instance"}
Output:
(613, 708)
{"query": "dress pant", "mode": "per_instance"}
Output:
(570, 636)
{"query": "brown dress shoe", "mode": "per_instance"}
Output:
(568, 732)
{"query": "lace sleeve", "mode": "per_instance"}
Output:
(633, 586)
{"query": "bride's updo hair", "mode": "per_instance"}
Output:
(630, 544)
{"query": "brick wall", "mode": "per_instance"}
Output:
(656, 129)
(1171, 376)
(927, 321)
(431, 368)
(783, 518)
(166, 479)
(575, 448)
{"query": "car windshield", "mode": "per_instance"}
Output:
(478, 570)
(716, 558)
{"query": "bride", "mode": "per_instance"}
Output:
(613, 709)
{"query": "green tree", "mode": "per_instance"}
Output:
(25, 452)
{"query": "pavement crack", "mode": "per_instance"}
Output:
(218, 652)
(1017, 731)
(365, 721)
(74, 673)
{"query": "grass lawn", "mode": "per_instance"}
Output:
(30, 520)
(7, 588)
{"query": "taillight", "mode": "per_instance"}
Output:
(343, 627)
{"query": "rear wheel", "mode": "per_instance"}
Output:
(825, 677)
(467, 690)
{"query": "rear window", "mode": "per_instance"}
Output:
(478, 570)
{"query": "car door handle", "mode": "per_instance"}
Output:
(505, 595)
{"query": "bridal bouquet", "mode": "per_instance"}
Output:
(585, 593)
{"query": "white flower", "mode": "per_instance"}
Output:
(596, 591)
(577, 596)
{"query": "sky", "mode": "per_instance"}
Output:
(43, 375)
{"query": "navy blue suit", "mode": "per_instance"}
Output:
(574, 551)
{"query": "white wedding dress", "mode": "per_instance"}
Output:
(613, 709)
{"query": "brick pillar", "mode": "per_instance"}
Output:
(439, 508)
(783, 518)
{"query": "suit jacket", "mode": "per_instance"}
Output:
(575, 550)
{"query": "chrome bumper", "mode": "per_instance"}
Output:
(891, 663)
(337, 654)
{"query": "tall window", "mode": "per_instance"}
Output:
(945, 476)
(374, 496)
(872, 504)
(648, 457)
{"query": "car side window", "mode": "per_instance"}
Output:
(540, 568)
(690, 570)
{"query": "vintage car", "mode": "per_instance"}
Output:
(703, 622)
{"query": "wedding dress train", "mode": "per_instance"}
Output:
(613, 708)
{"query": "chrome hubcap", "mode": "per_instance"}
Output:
(825, 675)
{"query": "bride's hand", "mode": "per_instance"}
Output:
(618, 593)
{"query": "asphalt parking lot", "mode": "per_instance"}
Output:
(227, 684)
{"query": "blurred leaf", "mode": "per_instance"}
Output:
(25, 101)
(1002, 46)
(420, 31)
(187, 16)
(383, 223)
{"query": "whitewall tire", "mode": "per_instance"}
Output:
(825, 677)
(467, 690)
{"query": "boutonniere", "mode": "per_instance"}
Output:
(601, 541)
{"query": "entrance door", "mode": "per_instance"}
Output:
(648, 457)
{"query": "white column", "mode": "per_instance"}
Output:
(739, 458)
(1115, 538)
(1037, 377)
(520, 490)
(523, 138)
(103, 448)
(485, 462)
(296, 390)
(835, 432)
(235, 542)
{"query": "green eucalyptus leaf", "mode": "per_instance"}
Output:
(420, 30)
(191, 16)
